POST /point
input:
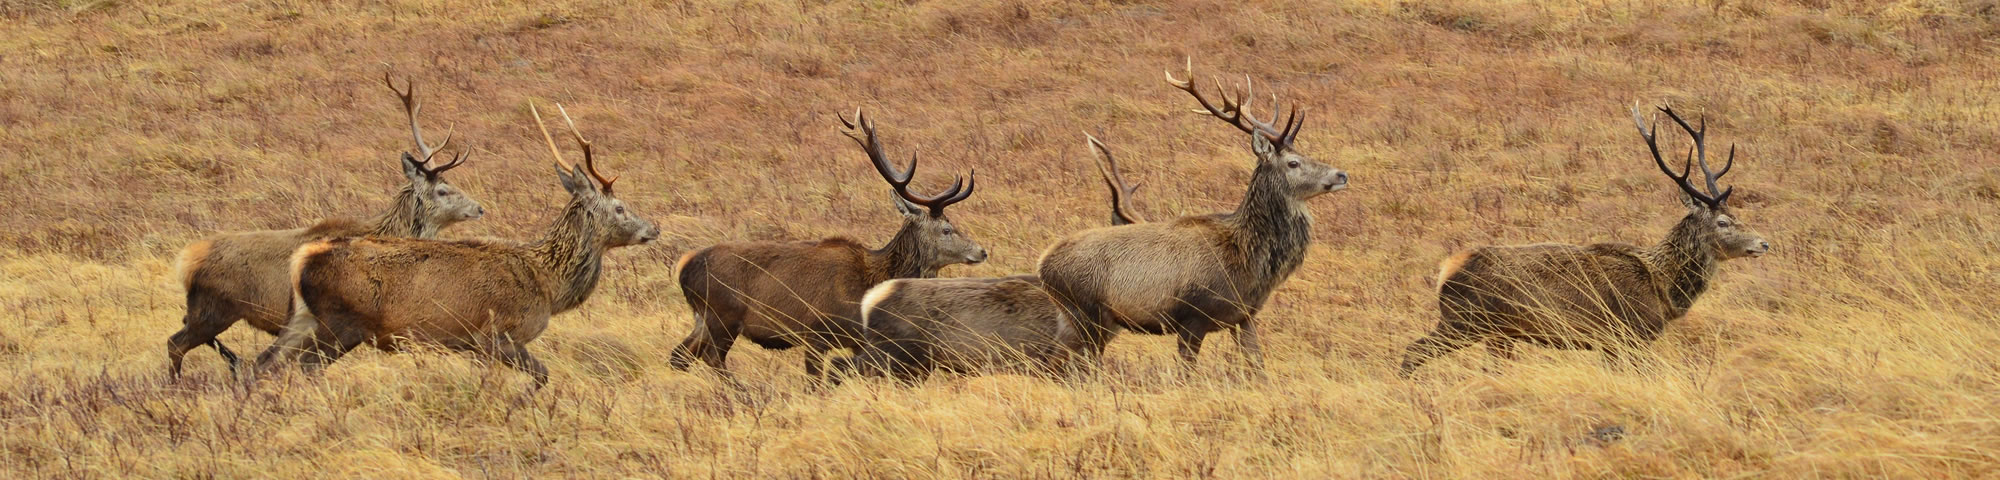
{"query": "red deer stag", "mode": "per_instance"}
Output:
(241, 276)
(486, 297)
(780, 295)
(1195, 275)
(965, 325)
(1612, 297)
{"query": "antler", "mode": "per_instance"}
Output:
(589, 160)
(410, 106)
(1239, 114)
(1697, 155)
(1121, 211)
(960, 187)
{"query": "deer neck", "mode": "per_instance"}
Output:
(1274, 228)
(571, 257)
(404, 218)
(1684, 263)
(902, 257)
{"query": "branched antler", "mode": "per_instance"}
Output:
(1239, 114)
(1697, 155)
(1121, 193)
(862, 130)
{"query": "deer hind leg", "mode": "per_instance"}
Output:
(207, 316)
(517, 357)
(1248, 343)
(1437, 343)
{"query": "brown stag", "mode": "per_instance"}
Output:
(241, 276)
(1195, 275)
(488, 297)
(1612, 297)
(784, 294)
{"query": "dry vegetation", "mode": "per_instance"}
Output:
(1863, 346)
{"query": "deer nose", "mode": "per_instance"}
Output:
(978, 257)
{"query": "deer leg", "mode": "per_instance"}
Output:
(207, 316)
(330, 342)
(1190, 345)
(517, 357)
(1425, 349)
(1247, 342)
(815, 358)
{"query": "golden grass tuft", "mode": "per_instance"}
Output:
(1861, 347)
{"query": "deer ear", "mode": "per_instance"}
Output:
(1691, 203)
(1262, 147)
(412, 170)
(905, 207)
(573, 180)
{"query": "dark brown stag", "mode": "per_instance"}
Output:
(241, 276)
(1613, 297)
(1195, 275)
(781, 295)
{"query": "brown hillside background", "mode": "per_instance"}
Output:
(1869, 155)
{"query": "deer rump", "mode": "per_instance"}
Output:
(1551, 295)
(965, 325)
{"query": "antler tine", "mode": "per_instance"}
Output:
(589, 160)
(1653, 144)
(1108, 170)
(456, 159)
(563, 164)
(411, 107)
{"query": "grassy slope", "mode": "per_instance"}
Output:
(1862, 347)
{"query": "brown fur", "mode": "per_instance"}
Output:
(1450, 266)
(1609, 296)
(915, 326)
(1194, 275)
(242, 276)
(781, 295)
(967, 325)
(785, 294)
(487, 297)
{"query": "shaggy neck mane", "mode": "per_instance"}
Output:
(1685, 262)
(573, 256)
(405, 217)
(902, 257)
(1273, 229)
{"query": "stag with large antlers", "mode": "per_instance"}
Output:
(974, 325)
(241, 276)
(1612, 297)
(785, 294)
(1196, 275)
(487, 297)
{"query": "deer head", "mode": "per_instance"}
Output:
(1708, 211)
(938, 242)
(590, 193)
(1303, 177)
(446, 204)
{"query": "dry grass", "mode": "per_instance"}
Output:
(1862, 347)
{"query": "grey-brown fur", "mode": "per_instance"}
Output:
(1609, 296)
(487, 297)
(785, 294)
(1010, 324)
(1195, 275)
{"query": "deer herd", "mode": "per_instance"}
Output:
(387, 281)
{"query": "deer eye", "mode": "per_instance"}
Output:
(947, 231)
(620, 209)
(1724, 223)
(1293, 164)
